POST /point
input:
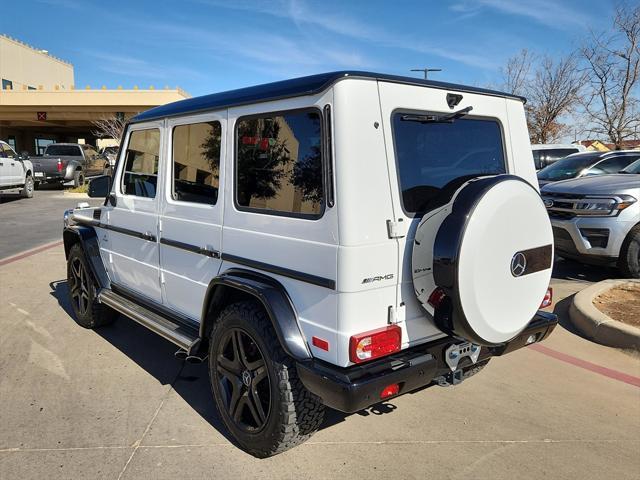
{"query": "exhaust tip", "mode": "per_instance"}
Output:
(181, 354)
(193, 359)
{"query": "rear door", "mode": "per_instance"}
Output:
(191, 220)
(131, 245)
(427, 162)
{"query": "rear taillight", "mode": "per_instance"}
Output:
(390, 391)
(374, 344)
(548, 298)
(59, 165)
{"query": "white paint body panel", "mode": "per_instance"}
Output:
(348, 244)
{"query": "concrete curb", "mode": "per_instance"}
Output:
(597, 326)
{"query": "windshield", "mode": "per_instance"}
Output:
(633, 168)
(435, 159)
(567, 167)
(64, 150)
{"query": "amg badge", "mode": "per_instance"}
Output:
(388, 276)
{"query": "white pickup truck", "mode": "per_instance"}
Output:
(16, 172)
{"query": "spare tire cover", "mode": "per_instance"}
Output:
(492, 256)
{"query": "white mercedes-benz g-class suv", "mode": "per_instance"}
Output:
(334, 240)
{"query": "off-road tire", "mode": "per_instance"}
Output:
(629, 259)
(27, 191)
(95, 314)
(294, 413)
(78, 178)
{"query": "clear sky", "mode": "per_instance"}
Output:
(206, 46)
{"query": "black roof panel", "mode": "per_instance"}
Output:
(293, 88)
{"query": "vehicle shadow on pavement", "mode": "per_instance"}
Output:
(191, 381)
(570, 270)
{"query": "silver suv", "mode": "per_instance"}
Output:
(596, 220)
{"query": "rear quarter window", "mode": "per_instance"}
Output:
(435, 159)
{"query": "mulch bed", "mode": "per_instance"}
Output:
(621, 303)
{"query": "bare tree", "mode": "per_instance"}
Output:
(109, 127)
(551, 88)
(515, 74)
(552, 93)
(613, 68)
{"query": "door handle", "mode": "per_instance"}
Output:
(1, 164)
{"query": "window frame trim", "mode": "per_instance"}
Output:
(170, 197)
(399, 110)
(123, 157)
(279, 213)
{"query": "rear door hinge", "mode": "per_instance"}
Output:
(397, 314)
(396, 229)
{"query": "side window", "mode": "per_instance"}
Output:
(196, 162)
(615, 164)
(279, 163)
(141, 163)
(8, 151)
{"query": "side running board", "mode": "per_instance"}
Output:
(182, 335)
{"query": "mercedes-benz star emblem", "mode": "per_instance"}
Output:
(518, 264)
(246, 378)
(548, 203)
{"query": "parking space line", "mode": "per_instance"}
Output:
(30, 252)
(592, 367)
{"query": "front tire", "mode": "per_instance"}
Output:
(88, 312)
(255, 384)
(27, 191)
(629, 260)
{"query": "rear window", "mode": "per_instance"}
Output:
(435, 159)
(63, 150)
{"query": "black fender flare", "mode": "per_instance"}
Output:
(271, 294)
(87, 237)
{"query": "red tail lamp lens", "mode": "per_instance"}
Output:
(548, 298)
(390, 391)
(59, 165)
(436, 297)
(374, 344)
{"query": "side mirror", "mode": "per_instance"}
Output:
(24, 155)
(100, 186)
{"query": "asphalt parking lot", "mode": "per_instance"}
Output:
(114, 403)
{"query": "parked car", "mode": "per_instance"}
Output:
(548, 153)
(596, 220)
(63, 162)
(16, 172)
(587, 164)
(334, 240)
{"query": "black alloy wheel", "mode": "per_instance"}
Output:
(244, 380)
(79, 286)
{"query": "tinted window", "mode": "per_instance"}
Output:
(615, 164)
(279, 163)
(141, 163)
(633, 168)
(63, 150)
(568, 167)
(8, 151)
(196, 162)
(435, 159)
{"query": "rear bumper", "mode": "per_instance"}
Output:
(43, 177)
(354, 388)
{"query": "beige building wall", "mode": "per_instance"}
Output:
(27, 67)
